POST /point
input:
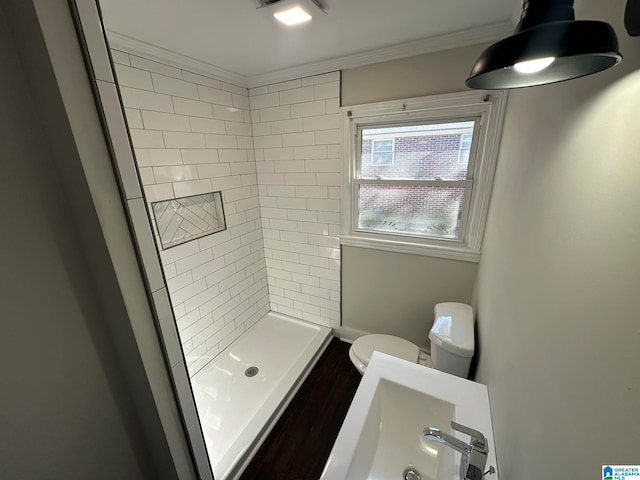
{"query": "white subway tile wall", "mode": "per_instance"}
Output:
(274, 153)
(192, 134)
(296, 128)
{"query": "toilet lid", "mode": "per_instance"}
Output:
(364, 347)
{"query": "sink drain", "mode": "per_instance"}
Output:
(251, 371)
(411, 474)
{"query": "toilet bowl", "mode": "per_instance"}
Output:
(362, 349)
(451, 337)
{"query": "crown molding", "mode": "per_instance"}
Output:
(487, 33)
(134, 46)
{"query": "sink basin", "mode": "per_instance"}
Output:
(391, 439)
(381, 437)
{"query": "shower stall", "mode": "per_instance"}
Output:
(233, 199)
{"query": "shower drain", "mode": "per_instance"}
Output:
(251, 371)
(411, 474)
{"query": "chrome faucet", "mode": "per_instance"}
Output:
(474, 454)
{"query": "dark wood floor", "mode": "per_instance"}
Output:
(299, 445)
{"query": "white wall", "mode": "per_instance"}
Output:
(557, 288)
(297, 138)
(384, 292)
(192, 134)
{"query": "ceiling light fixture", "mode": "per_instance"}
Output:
(292, 16)
(534, 66)
(548, 46)
(291, 12)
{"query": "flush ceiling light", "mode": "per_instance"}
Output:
(292, 16)
(291, 12)
(548, 46)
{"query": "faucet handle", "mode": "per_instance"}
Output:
(478, 440)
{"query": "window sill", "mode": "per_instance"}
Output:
(449, 252)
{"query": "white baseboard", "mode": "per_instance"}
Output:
(348, 334)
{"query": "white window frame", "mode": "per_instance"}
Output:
(487, 107)
(393, 152)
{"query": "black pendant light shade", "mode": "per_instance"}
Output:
(547, 30)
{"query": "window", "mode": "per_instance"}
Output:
(418, 173)
(411, 197)
(380, 152)
(465, 148)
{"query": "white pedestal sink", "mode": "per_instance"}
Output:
(381, 436)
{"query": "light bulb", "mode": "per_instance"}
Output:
(533, 66)
(293, 16)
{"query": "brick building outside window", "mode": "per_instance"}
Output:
(417, 152)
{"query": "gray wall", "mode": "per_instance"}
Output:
(394, 293)
(64, 407)
(384, 292)
(557, 288)
(85, 389)
(428, 74)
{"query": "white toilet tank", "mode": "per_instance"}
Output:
(452, 338)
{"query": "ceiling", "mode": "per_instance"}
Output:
(232, 35)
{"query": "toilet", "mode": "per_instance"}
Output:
(452, 343)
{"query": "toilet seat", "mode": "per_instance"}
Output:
(363, 347)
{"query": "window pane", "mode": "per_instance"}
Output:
(382, 158)
(465, 149)
(423, 152)
(418, 210)
(383, 145)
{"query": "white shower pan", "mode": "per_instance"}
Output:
(243, 391)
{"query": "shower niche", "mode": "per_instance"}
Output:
(180, 220)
